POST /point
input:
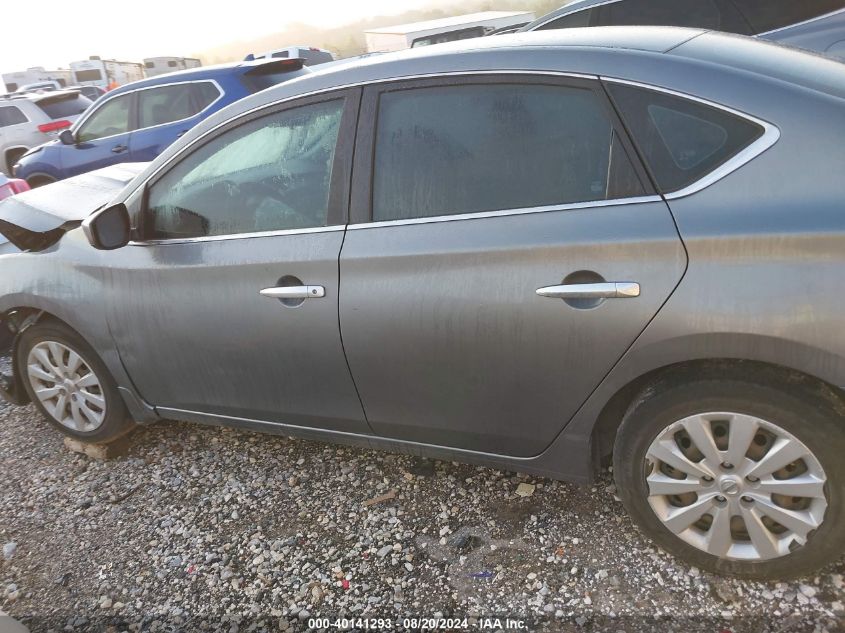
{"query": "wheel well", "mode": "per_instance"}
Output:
(11, 155)
(37, 180)
(608, 421)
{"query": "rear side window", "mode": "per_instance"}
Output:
(571, 21)
(11, 115)
(768, 15)
(475, 148)
(719, 15)
(64, 107)
(157, 106)
(681, 140)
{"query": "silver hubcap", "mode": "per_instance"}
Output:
(735, 486)
(66, 386)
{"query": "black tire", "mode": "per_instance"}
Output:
(804, 414)
(39, 181)
(116, 421)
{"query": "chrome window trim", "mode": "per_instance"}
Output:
(81, 121)
(507, 212)
(810, 21)
(573, 12)
(240, 236)
(771, 135)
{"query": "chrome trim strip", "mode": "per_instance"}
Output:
(169, 412)
(771, 135)
(792, 26)
(81, 121)
(573, 12)
(241, 236)
(507, 212)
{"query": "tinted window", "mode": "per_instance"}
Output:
(706, 14)
(171, 64)
(10, 115)
(767, 15)
(472, 148)
(205, 93)
(280, 55)
(64, 106)
(111, 118)
(681, 140)
(273, 173)
(149, 64)
(571, 21)
(88, 75)
(157, 106)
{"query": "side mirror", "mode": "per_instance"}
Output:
(109, 228)
(66, 137)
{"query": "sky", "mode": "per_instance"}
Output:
(132, 31)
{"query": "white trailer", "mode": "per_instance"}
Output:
(105, 73)
(36, 74)
(459, 27)
(160, 65)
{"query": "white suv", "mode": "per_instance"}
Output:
(28, 120)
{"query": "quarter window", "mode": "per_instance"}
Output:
(475, 148)
(768, 15)
(272, 173)
(681, 140)
(110, 119)
(10, 115)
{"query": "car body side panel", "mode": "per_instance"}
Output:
(449, 343)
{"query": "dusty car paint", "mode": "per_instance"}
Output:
(756, 256)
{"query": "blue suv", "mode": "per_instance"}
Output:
(136, 122)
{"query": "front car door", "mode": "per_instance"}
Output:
(472, 194)
(103, 137)
(226, 306)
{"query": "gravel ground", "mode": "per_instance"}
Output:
(200, 528)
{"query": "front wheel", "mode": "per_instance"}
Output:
(70, 385)
(735, 477)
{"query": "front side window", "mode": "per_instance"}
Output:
(768, 15)
(110, 119)
(487, 147)
(157, 106)
(269, 174)
(571, 21)
(11, 115)
(681, 140)
(703, 14)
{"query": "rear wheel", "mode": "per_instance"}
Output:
(39, 181)
(735, 477)
(70, 385)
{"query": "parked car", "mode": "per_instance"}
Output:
(816, 25)
(28, 120)
(527, 252)
(136, 122)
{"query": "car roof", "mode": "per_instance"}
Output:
(195, 74)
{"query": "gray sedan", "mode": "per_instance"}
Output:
(532, 252)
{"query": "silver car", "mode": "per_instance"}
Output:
(530, 252)
(30, 119)
(816, 25)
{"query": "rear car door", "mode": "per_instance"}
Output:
(504, 253)
(166, 112)
(103, 137)
(226, 304)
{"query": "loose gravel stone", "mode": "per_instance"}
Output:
(212, 529)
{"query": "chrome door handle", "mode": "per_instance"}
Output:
(606, 290)
(294, 292)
